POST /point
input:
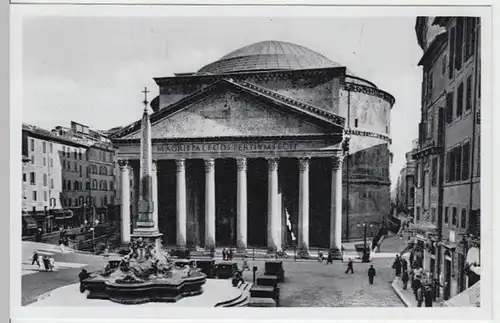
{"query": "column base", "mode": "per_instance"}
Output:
(336, 253)
(303, 254)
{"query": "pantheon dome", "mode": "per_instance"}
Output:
(269, 55)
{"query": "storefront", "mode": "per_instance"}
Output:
(29, 225)
(62, 218)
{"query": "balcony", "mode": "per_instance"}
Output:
(427, 148)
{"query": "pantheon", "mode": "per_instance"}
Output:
(272, 146)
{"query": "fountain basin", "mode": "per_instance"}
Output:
(170, 289)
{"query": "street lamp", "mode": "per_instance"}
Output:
(366, 255)
(96, 223)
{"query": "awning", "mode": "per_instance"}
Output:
(468, 298)
(30, 222)
(473, 256)
(62, 214)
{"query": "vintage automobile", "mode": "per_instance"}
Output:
(207, 266)
(275, 267)
(226, 269)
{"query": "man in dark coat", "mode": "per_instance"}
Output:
(350, 266)
(428, 296)
(224, 254)
(404, 264)
(371, 274)
(329, 259)
(416, 285)
(82, 276)
(405, 279)
(34, 259)
(420, 296)
(397, 266)
(411, 259)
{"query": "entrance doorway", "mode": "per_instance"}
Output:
(225, 202)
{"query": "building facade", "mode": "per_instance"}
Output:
(447, 204)
(272, 113)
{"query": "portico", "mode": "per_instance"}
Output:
(235, 171)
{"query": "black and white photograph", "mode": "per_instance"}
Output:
(249, 160)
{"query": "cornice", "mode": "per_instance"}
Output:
(368, 134)
(235, 138)
(370, 91)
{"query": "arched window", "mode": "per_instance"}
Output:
(76, 186)
(104, 170)
(105, 185)
(94, 169)
(94, 184)
(105, 200)
(76, 201)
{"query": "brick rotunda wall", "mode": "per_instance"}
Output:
(366, 172)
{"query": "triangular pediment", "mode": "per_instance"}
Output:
(226, 110)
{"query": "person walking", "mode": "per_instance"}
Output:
(350, 266)
(435, 288)
(405, 278)
(415, 285)
(420, 296)
(46, 263)
(230, 254)
(371, 274)
(411, 259)
(329, 259)
(52, 263)
(320, 256)
(34, 259)
(428, 297)
(404, 264)
(397, 266)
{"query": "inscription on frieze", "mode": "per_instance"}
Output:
(228, 147)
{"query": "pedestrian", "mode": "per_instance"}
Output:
(46, 263)
(230, 254)
(350, 266)
(405, 279)
(82, 276)
(420, 296)
(397, 266)
(428, 297)
(404, 264)
(245, 264)
(224, 254)
(371, 274)
(34, 259)
(415, 285)
(52, 263)
(411, 259)
(435, 288)
(320, 256)
(329, 259)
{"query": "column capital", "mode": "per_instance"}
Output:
(337, 162)
(272, 163)
(241, 163)
(180, 164)
(304, 163)
(123, 163)
(209, 164)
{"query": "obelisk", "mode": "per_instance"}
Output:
(145, 227)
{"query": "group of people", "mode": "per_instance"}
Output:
(425, 291)
(48, 262)
(329, 258)
(227, 254)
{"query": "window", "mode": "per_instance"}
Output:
(468, 95)
(94, 184)
(44, 179)
(449, 107)
(87, 171)
(75, 154)
(460, 99)
(80, 170)
(51, 163)
(428, 83)
(32, 178)
(69, 185)
(454, 216)
(111, 186)
(459, 43)
(63, 164)
(76, 201)
(451, 54)
(446, 210)
(465, 161)
(64, 185)
(418, 213)
(463, 219)
(76, 186)
(24, 177)
(64, 151)
(44, 147)
(34, 196)
(458, 163)
(434, 172)
(433, 214)
(80, 155)
(44, 161)
(356, 123)
(75, 167)
(32, 159)
(51, 183)
(51, 148)
(45, 196)
(69, 202)
(32, 144)
(443, 65)
(470, 37)
(87, 186)
(105, 185)
(105, 200)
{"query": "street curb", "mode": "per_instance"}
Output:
(399, 293)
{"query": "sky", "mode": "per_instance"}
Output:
(92, 69)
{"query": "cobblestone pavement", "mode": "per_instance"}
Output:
(314, 284)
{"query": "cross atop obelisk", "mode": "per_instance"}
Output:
(145, 98)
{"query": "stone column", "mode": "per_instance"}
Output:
(209, 203)
(125, 201)
(154, 178)
(273, 218)
(181, 203)
(336, 207)
(303, 233)
(241, 221)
